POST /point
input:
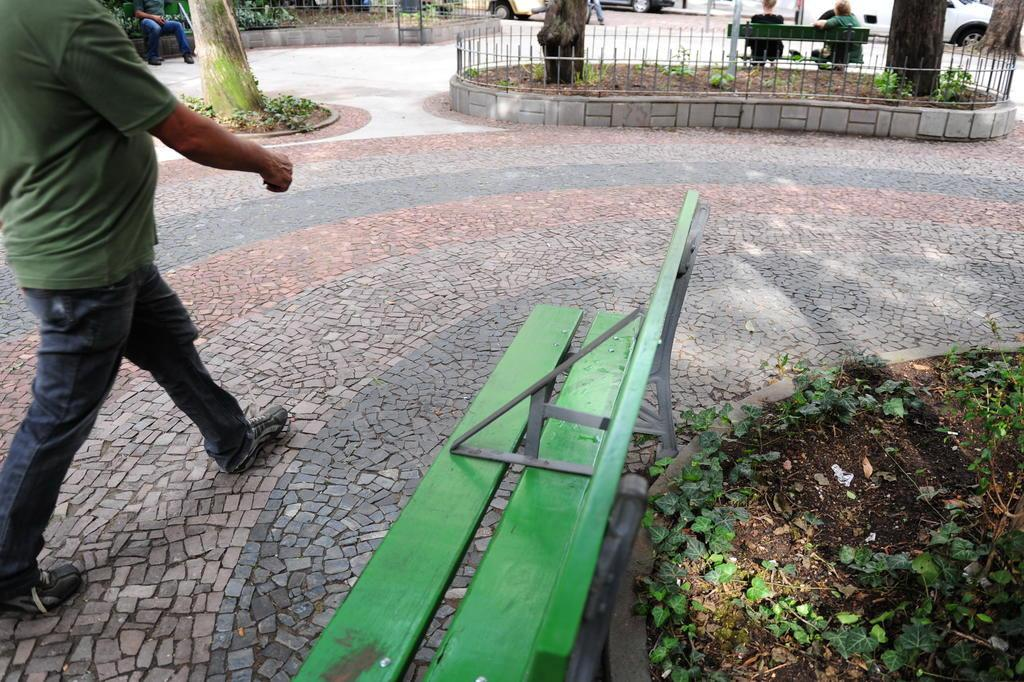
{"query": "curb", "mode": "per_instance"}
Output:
(627, 638)
(679, 110)
(330, 120)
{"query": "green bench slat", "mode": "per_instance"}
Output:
(494, 628)
(803, 33)
(390, 606)
(564, 611)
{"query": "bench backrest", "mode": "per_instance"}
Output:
(801, 33)
(564, 613)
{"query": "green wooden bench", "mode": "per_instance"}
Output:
(539, 603)
(840, 38)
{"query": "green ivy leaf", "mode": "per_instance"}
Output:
(758, 590)
(658, 592)
(851, 641)
(890, 386)
(658, 534)
(710, 442)
(895, 659)
(695, 549)
(961, 655)
(847, 618)
(847, 554)
(924, 565)
(722, 573)
(678, 604)
(667, 503)
(894, 408)
(1000, 577)
(721, 539)
(962, 549)
(918, 637)
(660, 614)
(878, 632)
(702, 525)
(945, 533)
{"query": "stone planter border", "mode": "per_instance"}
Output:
(627, 640)
(313, 36)
(666, 111)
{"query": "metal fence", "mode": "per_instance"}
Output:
(640, 61)
(264, 14)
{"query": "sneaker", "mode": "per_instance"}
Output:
(264, 428)
(189, 59)
(155, 61)
(53, 589)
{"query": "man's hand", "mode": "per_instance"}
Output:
(140, 15)
(820, 23)
(277, 175)
(198, 138)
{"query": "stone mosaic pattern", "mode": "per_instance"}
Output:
(375, 298)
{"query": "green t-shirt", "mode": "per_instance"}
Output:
(854, 53)
(150, 7)
(77, 169)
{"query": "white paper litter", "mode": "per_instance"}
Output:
(844, 477)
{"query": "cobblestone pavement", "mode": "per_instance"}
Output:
(374, 299)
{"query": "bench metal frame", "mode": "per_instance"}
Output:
(655, 421)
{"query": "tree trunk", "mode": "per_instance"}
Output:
(1003, 33)
(228, 83)
(561, 38)
(915, 42)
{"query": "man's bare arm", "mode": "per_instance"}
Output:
(201, 140)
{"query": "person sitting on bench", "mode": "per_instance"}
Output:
(766, 50)
(155, 24)
(839, 52)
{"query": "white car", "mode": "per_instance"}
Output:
(966, 20)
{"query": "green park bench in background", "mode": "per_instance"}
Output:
(840, 38)
(540, 602)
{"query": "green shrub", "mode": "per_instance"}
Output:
(721, 79)
(284, 111)
(953, 85)
(250, 14)
(893, 85)
(592, 74)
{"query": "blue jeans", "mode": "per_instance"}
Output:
(83, 335)
(153, 31)
(598, 10)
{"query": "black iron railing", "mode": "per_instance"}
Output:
(640, 61)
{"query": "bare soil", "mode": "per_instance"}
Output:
(609, 80)
(892, 461)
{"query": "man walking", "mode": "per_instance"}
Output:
(155, 25)
(77, 178)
